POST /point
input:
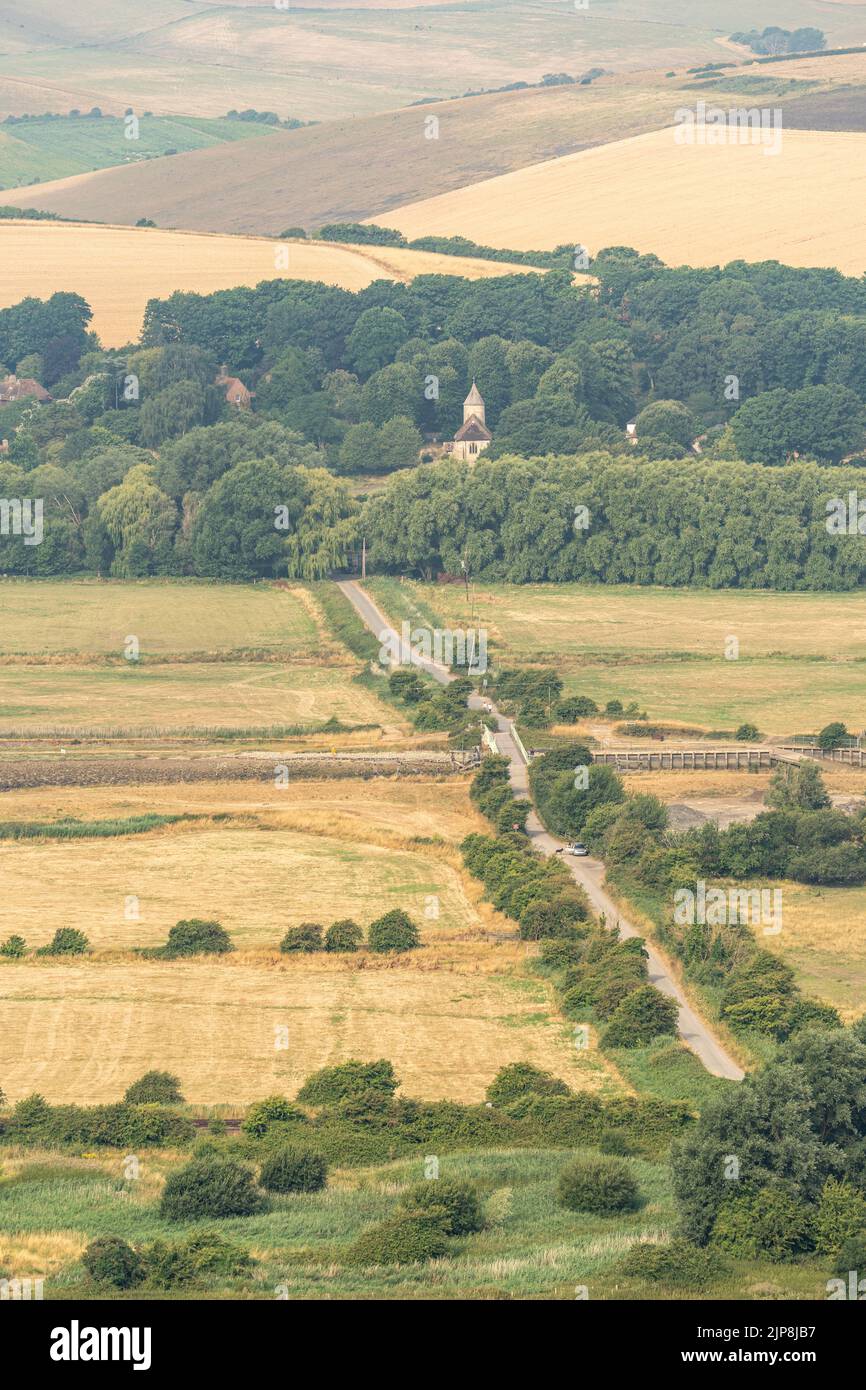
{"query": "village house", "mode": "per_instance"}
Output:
(22, 388)
(236, 393)
(473, 436)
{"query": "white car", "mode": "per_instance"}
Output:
(577, 848)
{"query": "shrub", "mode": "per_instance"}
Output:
(211, 1253)
(643, 1015)
(575, 707)
(832, 736)
(333, 1084)
(677, 1263)
(344, 935)
(772, 1224)
(211, 1187)
(306, 937)
(14, 946)
(748, 733)
(67, 941)
(294, 1170)
(521, 1079)
(273, 1110)
(599, 1185)
(154, 1088)
(459, 1200)
(110, 1260)
(168, 1265)
(612, 1141)
(394, 932)
(194, 937)
(841, 1215)
(408, 1237)
(852, 1255)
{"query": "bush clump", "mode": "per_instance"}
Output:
(306, 937)
(110, 1260)
(154, 1088)
(67, 941)
(769, 1224)
(211, 1187)
(193, 937)
(643, 1015)
(677, 1264)
(394, 932)
(520, 1079)
(294, 1170)
(344, 935)
(333, 1084)
(602, 1186)
(14, 947)
(273, 1110)
(459, 1201)
(408, 1237)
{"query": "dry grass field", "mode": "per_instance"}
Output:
(348, 169)
(800, 665)
(675, 200)
(220, 655)
(448, 1016)
(118, 269)
(95, 617)
(82, 1033)
(304, 852)
(189, 695)
(823, 937)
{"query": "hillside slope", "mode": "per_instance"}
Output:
(806, 206)
(118, 269)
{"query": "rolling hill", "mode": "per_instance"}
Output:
(118, 269)
(806, 206)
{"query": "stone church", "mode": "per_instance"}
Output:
(473, 436)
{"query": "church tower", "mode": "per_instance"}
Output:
(474, 405)
(473, 436)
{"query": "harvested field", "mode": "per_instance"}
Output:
(306, 852)
(94, 617)
(118, 269)
(674, 200)
(801, 662)
(187, 695)
(82, 1033)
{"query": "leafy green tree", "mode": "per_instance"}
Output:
(666, 420)
(398, 445)
(375, 339)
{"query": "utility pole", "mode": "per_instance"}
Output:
(364, 558)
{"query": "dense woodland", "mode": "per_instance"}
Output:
(746, 386)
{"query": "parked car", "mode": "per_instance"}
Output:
(576, 848)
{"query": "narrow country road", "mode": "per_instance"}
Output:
(588, 872)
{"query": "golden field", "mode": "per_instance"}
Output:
(82, 1032)
(448, 1015)
(305, 852)
(118, 269)
(674, 200)
(95, 617)
(800, 664)
(210, 655)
